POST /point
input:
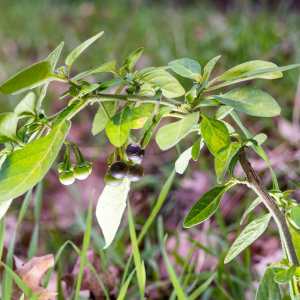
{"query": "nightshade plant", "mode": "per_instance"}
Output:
(31, 150)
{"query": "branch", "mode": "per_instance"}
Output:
(254, 182)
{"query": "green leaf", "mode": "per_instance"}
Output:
(268, 288)
(223, 159)
(295, 215)
(252, 101)
(209, 67)
(77, 51)
(215, 134)
(31, 77)
(118, 127)
(248, 236)
(88, 88)
(196, 149)
(182, 161)
(259, 138)
(169, 85)
(185, 67)
(8, 127)
(110, 208)
(106, 67)
(222, 112)
(4, 206)
(250, 208)
(132, 59)
(148, 124)
(24, 168)
(285, 276)
(110, 84)
(106, 110)
(26, 108)
(125, 287)
(191, 95)
(171, 134)
(140, 115)
(205, 206)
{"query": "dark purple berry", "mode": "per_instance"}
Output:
(135, 173)
(135, 152)
(119, 170)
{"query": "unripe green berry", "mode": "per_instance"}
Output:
(66, 177)
(111, 180)
(61, 167)
(81, 172)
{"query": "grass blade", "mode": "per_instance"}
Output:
(125, 286)
(2, 235)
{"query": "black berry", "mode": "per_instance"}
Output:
(135, 152)
(135, 173)
(119, 170)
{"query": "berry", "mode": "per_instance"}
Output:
(135, 173)
(81, 172)
(66, 177)
(89, 167)
(61, 167)
(119, 170)
(111, 180)
(135, 152)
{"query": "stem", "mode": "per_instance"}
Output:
(254, 182)
(134, 98)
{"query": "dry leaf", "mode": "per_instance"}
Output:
(31, 273)
(89, 280)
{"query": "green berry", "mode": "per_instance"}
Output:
(66, 177)
(119, 170)
(111, 180)
(81, 172)
(61, 167)
(135, 173)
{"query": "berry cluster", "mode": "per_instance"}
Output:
(68, 171)
(120, 169)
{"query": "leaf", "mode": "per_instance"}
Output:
(88, 88)
(26, 108)
(205, 206)
(295, 215)
(196, 149)
(24, 168)
(106, 67)
(40, 91)
(125, 286)
(268, 288)
(31, 273)
(259, 138)
(250, 208)
(209, 67)
(132, 59)
(110, 84)
(118, 127)
(222, 112)
(4, 206)
(148, 124)
(248, 236)
(101, 118)
(223, 159)
(31, 77)
(169, 85)
(182, 161)
(191, 95)
(77, 51)
(252, 101)
(185, 67)
(285, 276)
(8, 127)
(171, 134)
(215, 134)
(140, 115)
(110, 208)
